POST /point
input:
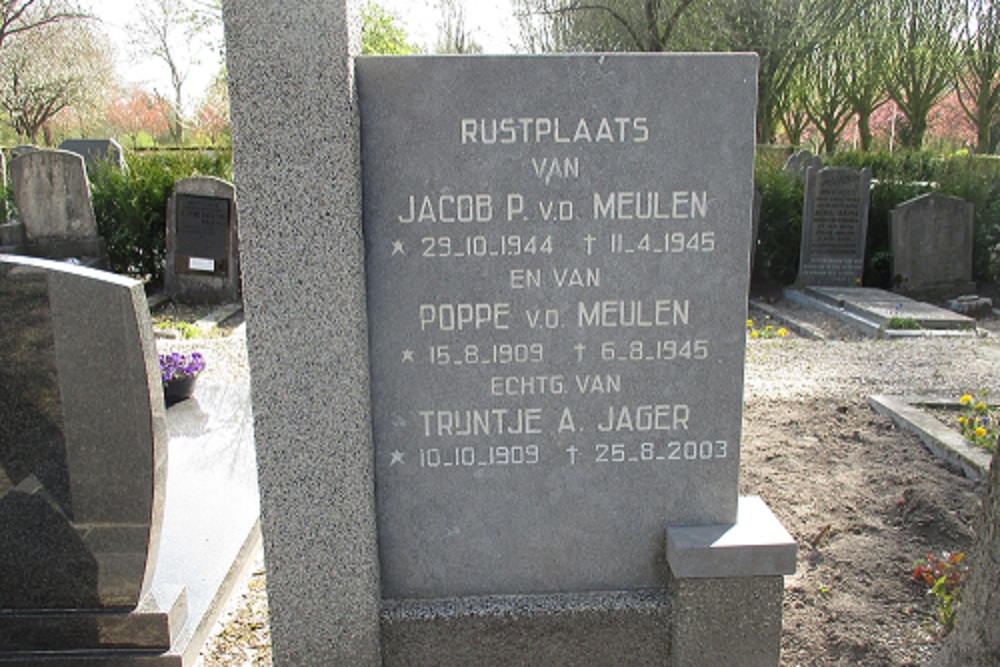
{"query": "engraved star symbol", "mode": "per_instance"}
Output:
(397, 248)
(397, 457)
(408, 356)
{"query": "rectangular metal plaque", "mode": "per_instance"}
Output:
(557, 257)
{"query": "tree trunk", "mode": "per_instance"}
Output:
(865, 131)
(975, 641)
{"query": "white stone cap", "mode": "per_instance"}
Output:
(757, 545)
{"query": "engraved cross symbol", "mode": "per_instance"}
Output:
(572, 450)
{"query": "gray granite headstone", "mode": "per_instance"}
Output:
(203, 259)
(53, 199)
(558, 265)
(96, 150)
(834, 226)
(931, 237)
(83, 441)
(758, 201)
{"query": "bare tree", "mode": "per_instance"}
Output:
(824, 99)
(783, 33)
(165, 30)
(921, 66)
(863, 77)
(453, 35)
(601, 25)
(21, 16)
(978, 72)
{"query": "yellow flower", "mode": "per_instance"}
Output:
(966, 399)
(782, 332)
(980, 431)
(979, 406)
(963, 420)
(754, 334)
(769, 327)
(749, 324)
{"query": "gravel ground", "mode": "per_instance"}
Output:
(789, 383)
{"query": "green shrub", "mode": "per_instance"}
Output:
(898, 166)
(131, 205)
(977, 179)
(777, 257)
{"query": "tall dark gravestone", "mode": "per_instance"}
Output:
(203, 260)
(557, 270)
(834, 226)
(115, 551)
(82, 459)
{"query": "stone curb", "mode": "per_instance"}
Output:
(943, 441)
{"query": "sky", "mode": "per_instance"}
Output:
(489, 23)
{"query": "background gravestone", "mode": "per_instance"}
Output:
(53, 199)
(834, 227)
(931, 237)
(96, 150)
(203, 258)
(802, 160)
(23, 149)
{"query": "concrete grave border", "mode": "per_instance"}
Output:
(943, 441)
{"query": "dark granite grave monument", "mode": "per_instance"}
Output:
(82, 451)
(834, 226)
(483, 457)
(202, 261)
(114, 553)
(96, 150)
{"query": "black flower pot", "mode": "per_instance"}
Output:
(178, 389)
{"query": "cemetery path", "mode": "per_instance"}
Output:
(863, 499)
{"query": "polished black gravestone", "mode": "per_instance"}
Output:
(103, 557)
(82, 454)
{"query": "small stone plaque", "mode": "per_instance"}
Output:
(558, 254)
(202, 228)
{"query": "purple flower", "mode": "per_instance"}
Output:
(176, 365)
